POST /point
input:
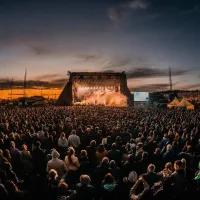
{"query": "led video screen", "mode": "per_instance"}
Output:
(141, 96)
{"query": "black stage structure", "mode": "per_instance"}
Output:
(116, 81)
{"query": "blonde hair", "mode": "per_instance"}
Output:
(184, 163)
(169, 165)
(53, 174)
(83, 153)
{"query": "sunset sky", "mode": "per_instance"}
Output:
(141, 37)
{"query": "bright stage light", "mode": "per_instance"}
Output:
(100, 94)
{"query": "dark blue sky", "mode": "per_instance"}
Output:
(141, 37)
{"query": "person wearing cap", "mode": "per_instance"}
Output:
(57, 164)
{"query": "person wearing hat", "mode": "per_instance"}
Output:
(57, 164)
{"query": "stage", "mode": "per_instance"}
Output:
(96, 88)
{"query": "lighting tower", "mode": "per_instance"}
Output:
(25, 83)
(170, 79)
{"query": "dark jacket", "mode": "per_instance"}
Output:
(168, 157)
(91, 151)
(3, 192)
(17, 196)
(116, 172)
(177, 180)
(157, 160)
(100, 172)
(115, 155)
(11, 176)
(2, 161)
(39, 159)
(85, 192)
(110, 191)
(84, 165)
(52, 189)
(151, 178)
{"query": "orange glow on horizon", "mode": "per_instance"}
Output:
(16, 93)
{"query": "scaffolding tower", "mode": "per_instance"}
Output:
(170, 79)
(25, 83)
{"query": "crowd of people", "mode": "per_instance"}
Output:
(99, 153)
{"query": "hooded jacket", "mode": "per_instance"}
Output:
(57, 164)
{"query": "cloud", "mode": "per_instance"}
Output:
(103, 62)
(119, 12)
(87, 57)
(150, 88)
(191, 87)
(153, 72)
(129, 62)
(116, 63)
(5, 84)
(48, 77)
(40, 50)
(115, 14)
(61, 80)
(138, 4)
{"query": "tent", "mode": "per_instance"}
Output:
(185, 104)
(173, 103)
